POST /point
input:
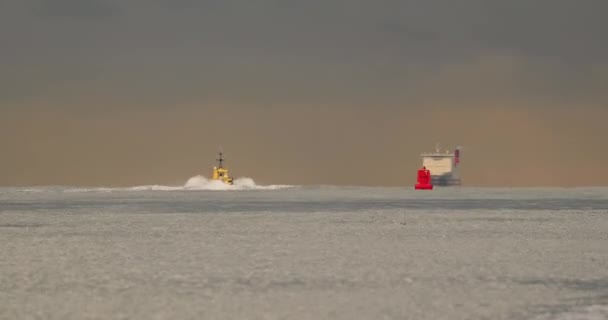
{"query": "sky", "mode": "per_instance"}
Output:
(132, 92)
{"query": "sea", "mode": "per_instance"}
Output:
(248, 251)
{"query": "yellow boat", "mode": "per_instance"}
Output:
(221, 173)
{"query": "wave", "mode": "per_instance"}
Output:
(198, 182)
(202, 183)
(590, 312)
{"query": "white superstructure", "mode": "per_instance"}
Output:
(444, 166)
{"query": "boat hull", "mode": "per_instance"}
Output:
(445, 180)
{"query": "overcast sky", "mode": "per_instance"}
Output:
(100, 92)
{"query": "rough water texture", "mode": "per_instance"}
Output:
(304, 253)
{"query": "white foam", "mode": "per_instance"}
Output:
(153, 188)
(198, 182)
(202, 183)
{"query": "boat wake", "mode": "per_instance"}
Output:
(202, 183)
(194, 183)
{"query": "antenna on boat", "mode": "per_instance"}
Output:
(220, 160)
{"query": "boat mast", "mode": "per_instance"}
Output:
(220, 161)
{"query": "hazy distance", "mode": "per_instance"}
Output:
(136, 92)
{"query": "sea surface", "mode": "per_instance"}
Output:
(289, 252)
